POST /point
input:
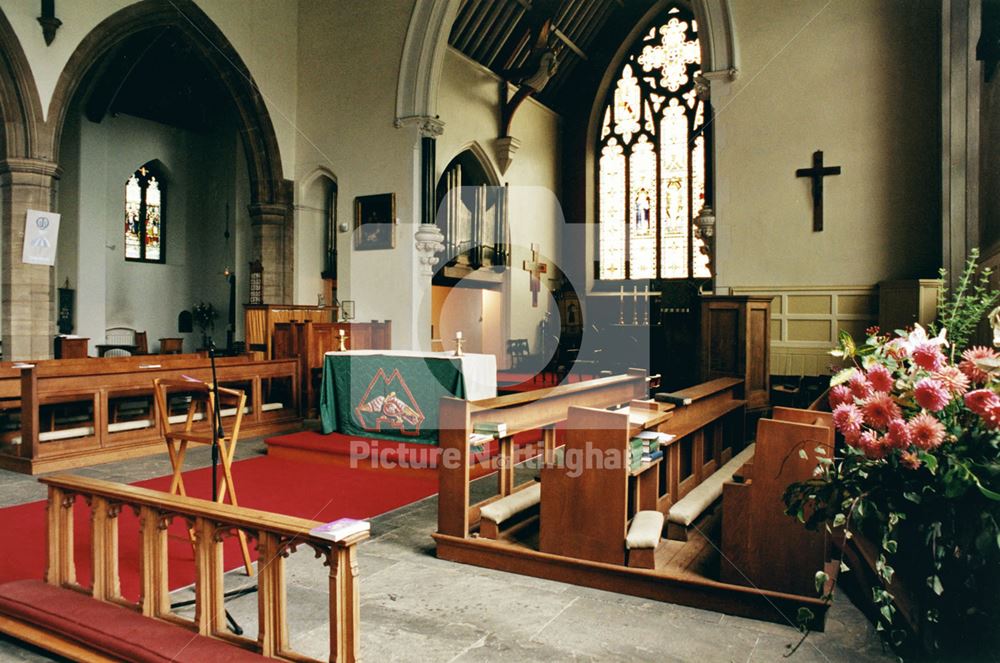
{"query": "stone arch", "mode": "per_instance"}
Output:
(20, 107)
(267, 185)
(423, 59)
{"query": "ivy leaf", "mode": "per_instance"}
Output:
(839, 520)
(844, 568)
(935, 584)
(912, 497)
(804, 617)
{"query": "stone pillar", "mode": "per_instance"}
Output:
(268, 222)
(27, 311)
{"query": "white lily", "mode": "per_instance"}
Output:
(919, 337)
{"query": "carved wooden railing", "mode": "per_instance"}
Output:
(276, 536)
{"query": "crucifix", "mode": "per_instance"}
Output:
(817, 173)
(536, 269)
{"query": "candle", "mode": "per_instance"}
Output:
(458, 334)
(621, 294)
(340, 332)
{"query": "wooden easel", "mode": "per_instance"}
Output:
(177, 441)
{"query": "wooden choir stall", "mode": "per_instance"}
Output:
(595, 514)
(309, 341)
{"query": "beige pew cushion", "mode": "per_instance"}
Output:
(645, 530)
(513, 504)
(686, 511)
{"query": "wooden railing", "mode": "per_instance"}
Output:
(276, 535)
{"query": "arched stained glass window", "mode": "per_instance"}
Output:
(651, 158)
(144, 216)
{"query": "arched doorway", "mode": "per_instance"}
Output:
(159, 81)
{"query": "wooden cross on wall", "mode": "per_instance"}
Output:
(817, 173)
(536, 269)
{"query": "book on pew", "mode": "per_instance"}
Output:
(664, 397)
(497, 429)
(340, 529)
(480, 439)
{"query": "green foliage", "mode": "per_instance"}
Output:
(962, 311)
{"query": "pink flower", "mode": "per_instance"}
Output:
(839, 395)
(992, 417)
(859, 385)
(880, 378)
(953, 379)
(969, 359)
(847, 418)
(874, 446)
(926, 431)
(928, 356)
(982, 401)
(909, 460)
(898, 435)
(931, 395)
(879, 410)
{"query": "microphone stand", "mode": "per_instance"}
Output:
(217, 434)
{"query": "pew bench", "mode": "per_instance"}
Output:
(103, 631)
(689, 508)
(511, 507)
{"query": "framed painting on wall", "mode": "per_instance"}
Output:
(375, 222)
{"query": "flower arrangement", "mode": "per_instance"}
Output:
(204, 315)
(917, 473)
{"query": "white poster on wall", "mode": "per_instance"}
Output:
(41, 232)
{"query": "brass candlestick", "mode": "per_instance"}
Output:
(458, 344)
(342, 341)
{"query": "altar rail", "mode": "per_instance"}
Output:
(60, 414)
(276, 536)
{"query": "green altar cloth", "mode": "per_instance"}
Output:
(387, 396)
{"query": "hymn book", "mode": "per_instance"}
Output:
(340, 529)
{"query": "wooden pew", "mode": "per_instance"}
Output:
(582, 535)
(762, 546)
(71, 411)
(309, 341)
(206, 637)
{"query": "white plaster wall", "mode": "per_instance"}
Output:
(263, 32)
(201, 177)
(348, 69)
(860, 82)
(468, 105)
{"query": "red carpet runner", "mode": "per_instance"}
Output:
(316, 491)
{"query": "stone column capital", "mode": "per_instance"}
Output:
(269, 214)
(13, 167)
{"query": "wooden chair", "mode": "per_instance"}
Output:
(177, 441)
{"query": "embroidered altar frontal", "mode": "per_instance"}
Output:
(387, 397)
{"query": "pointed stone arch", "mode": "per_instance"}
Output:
(256, 130)
(423, 59)
(270, 194)
(20, 107)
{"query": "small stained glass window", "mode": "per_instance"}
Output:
(652, 157)
(144, 216)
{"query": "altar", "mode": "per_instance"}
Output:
(394, 395)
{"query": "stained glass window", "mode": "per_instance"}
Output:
(144, 216)
(652, 158)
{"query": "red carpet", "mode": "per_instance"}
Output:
(316, 491)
